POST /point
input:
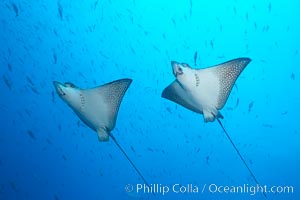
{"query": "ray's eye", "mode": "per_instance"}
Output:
(180, 71)
(68, 84)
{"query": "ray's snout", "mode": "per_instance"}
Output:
(56, 84)
(59, 88)
(176, 68)
(173, 63)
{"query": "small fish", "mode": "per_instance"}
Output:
(103, 55)
(132, 50)
(59, 127)
(237, 103)
(48, 141)
(13, 186)
(293, 76)
(60, 11)
(33, 89)
(30, 133)
(95, 5)
(55, 32)
(15, 8)
(267, 28)
(207, 160)
(54, 58)
(131, 124)
(116, 28)
(236, 87)
(28, 112)
(29, 80)
(9, 66)
(284, 113)
(255, 25)
(156, 48)
(64, 157)
(174, 22)
(191, 8)
(56, 197)
(212, 44)
(149, 149)
(140, 117)
(195, 58)
(270, 7)
(268, 125)
(7, 82)
(263, 61)
(169, 110)
(132, 149)
(100, 172)
(250, 106)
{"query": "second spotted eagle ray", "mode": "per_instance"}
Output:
(97, 107)
(206, 91)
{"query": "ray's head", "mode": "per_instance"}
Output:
(67, 91)
(181, 70)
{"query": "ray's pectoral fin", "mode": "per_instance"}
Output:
(101, 106)
(174, 92)
(113, 94)
(227, 73)
(98, 108)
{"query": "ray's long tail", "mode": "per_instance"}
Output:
(241, 157)
(125, 154)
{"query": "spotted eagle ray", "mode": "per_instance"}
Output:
(205, 91)
(97, 107)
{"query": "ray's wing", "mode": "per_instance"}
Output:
(174, 92)
(226, 74)
(104, 101)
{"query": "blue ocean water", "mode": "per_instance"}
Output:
(46, 152)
